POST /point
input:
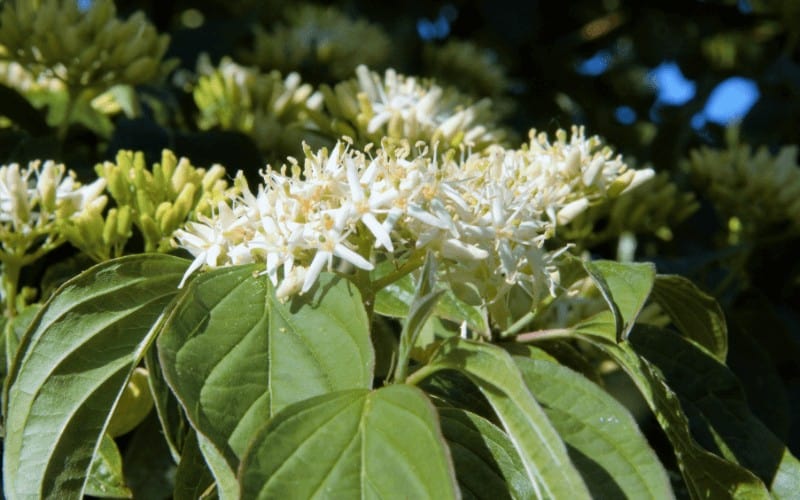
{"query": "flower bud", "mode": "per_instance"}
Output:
(144, 204)
(140, 71)
(162, 209)
(110, 227)
(185, 200)
(182, 175)
(150, 231)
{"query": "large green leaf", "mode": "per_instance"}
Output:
(351, 444)
(706, 475)
(720, 402)
(487, 465)
(543, 453)
(603, 439)
(234, 355)
(72, 366)
(696, 314)
(625, 287)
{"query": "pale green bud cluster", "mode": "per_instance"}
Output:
(160, 200)
(372, 108)
(757, 190)
(101, 237)
(653, 207)
(269, 108)
(84, 49)
(320, 37)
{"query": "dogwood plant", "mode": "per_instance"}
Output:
(373, 321)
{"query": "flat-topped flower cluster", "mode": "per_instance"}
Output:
(486, 215)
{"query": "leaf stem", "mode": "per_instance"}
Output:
(555, 333)
(421, 374)
(518, 325)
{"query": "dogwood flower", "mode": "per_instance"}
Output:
(486, 215)
(36, 200)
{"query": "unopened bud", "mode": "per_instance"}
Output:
(150, 231)
(110, 227)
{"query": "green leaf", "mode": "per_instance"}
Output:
(706, 475)
(395, 301)
(105, 475)
(625, 287)
(351, 444)
(697, 315)
(234, 355)
(739, 436)
(487, 465)
(149, 467)
(72, 366)
(543, 453)
(192, 478)
(174, 425)
(425, 299)
(319, 342)
(603, 439)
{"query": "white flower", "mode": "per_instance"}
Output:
(404, 107)
(217, 240)
(486, 215)
(34, 200)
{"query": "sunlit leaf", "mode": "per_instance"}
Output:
(625, 287)
(543, 453)
(72, 366)
(603, 439)
(234, 355)
(351, 444)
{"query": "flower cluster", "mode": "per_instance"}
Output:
(268, 107)
(318, 39)
(371, 108)
(486, 215)
(84, 49)
(760, 190)
(35, 204)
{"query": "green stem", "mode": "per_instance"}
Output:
(555, 333)
(421, 374)
(363, 280)
(518, 325)
(11, 272)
